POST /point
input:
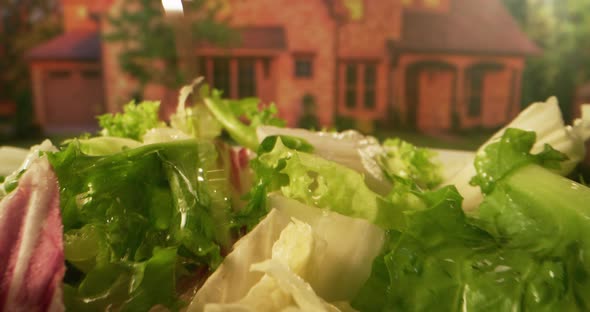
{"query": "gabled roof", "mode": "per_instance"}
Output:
(71, 46)
(471, 26)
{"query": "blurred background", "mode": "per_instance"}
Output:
(440, 73)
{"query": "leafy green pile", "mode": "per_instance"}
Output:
(523, 251)
(135, 222)
(141, 218)
(318, 182)
(147, 207)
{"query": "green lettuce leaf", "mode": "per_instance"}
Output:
(241, 117)
(101, 146)
(196, 121)
(318, 182)
(133, 123)
(511, 152)
(444, 262)
(534, 209)
(404, 160)
(124, 214)
(128, 286)
(524, 250)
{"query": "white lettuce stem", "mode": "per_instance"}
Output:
(545, 119)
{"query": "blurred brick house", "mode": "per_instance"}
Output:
(428, 64)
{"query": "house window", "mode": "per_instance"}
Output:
(370, 78)
(303, 67)
(236, 77)
(91, 74)
(60, 74)
(475, 94)
(350, 88)
(221, 75)
(246, 78)
(360, 81)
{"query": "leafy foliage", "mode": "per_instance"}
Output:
(24, 25)
(562, 30)
(150, 46)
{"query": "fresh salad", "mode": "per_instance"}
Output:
(224, 209)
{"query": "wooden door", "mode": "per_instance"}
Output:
(496, 98)
(435, 89)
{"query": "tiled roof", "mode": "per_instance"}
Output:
(79, 46)
(263, 38)
(471, 26)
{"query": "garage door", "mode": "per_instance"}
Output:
(73, 98)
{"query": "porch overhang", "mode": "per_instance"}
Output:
(472, 27)
(71, 46)
(253, 41)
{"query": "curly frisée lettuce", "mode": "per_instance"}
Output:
(381, 164)
(135, 222)
(134, 122)
(318, 182)
(407, 161)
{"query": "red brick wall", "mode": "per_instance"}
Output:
(77, 15)
(497, 86)
(367, 37)
(382, 91)
(309, 28)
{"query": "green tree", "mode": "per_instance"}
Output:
(150, 41)
(562, 30)
(23, 25)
